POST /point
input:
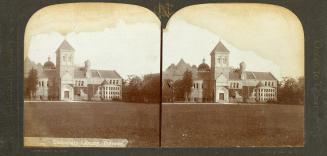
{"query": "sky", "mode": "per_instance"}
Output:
(266, 37)
(119, 37)
(126, 38)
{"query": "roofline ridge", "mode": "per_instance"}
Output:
(254, 75)
(117, 73)
(273, 76)
(99, 74)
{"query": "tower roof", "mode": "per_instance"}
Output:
(181, 62)
(66, 46)
(203, 67)
(49, 64)
(220, 47)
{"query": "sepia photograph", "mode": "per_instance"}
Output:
(233, 76)
(92, 76)
(163, 77)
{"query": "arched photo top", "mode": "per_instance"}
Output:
(84, 17)
(271, 32)
(111, 35)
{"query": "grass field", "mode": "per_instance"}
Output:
(183, 125)
(138, 123)
(232, 125)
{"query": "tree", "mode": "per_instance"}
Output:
(132, 89)
(291, 91)
(31, 83)
(151, 88)
(178, 90)
(187, 82)
(167, 90)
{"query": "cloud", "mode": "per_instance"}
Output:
(184, 40)
(126, 48)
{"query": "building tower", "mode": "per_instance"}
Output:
(220, 60)
(65, 70)
(87, 68)
(242, 70)
(220, 72)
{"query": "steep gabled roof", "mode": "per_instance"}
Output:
(264, 76)
(220, 47)
(235, 75)
(79, 72)
(105, 74)
(66, 46)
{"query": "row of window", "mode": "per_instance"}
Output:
(234, 85)
(266, 98)
(266, 90)
(79, 83)
(43, 83)
(110, 96)
(222, 60)
(110, 88)
(113, 81)
(197, 85)
(267, 94)
(67, 58)
(109, 93)
(269, 83)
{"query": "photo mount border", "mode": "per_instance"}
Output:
(16, 13)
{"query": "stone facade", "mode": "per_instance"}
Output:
(65, 81)
(224, 84)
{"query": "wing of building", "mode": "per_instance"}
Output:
(65, 81)
(222, 84)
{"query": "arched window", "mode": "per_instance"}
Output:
(82, 83)
(219, 60)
